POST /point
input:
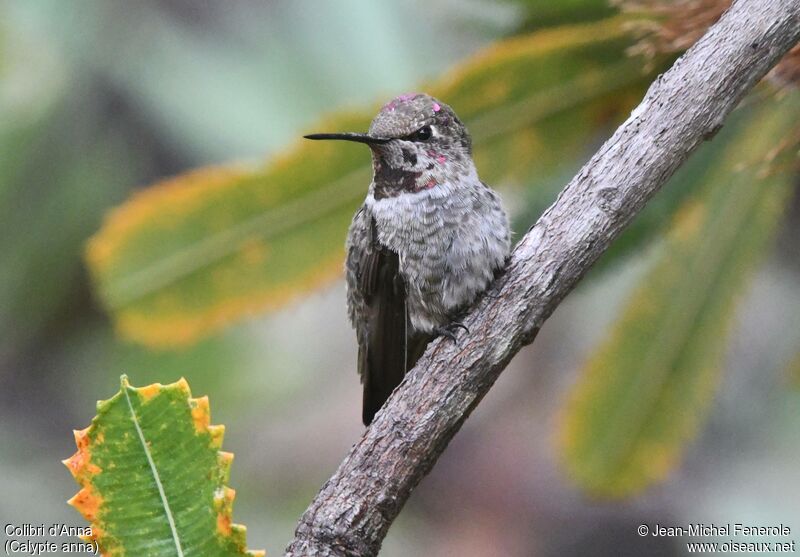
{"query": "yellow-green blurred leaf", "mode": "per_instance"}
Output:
(186, 256)
(793, 372)
(645, 391)
(153, 478)
(543, 13)
(533, 102)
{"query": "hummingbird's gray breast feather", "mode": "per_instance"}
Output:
(449, 245)
(450, 240)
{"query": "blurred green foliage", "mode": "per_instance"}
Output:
(646, 389)
(97, 100)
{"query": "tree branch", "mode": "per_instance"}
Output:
(685, 106)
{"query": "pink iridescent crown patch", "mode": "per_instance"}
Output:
(392, 104)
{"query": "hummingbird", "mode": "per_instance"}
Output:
(428, 240)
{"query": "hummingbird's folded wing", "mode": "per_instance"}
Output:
(387, 347)
(382, 351)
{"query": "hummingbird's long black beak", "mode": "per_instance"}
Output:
(349, 136)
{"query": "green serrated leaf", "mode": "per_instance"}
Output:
(153, 478)
(185, 257)
(645, 391)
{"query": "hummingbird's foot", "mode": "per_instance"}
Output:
(450, 329)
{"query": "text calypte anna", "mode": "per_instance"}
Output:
(427, 241)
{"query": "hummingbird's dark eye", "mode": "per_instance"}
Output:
(422, 134)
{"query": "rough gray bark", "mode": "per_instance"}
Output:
(687, 105)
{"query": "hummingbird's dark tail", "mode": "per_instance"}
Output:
(384, 370)
(387, 352)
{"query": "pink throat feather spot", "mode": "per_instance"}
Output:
(429, 184)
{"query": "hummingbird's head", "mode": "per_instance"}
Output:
(417, 143)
